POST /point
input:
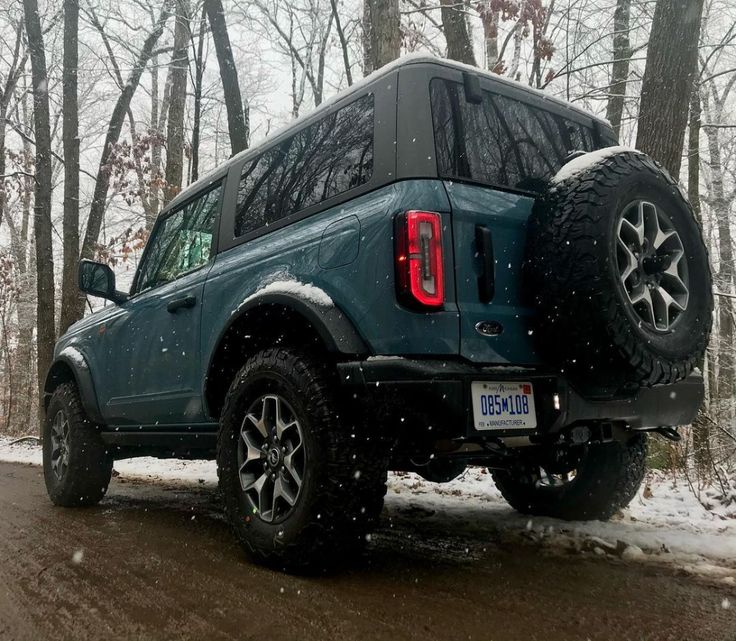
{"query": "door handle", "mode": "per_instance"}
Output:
(181, 303)
(487, 279)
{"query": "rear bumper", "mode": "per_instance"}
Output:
(443, 388)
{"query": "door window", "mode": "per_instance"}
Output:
(181, 242)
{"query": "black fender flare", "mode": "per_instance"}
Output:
(71, 359)
(334, 328)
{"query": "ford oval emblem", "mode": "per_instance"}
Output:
(489, 328)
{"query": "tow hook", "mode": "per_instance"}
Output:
(668, 432)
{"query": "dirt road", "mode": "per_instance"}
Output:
(158, 562)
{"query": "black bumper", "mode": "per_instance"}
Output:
(444, 387)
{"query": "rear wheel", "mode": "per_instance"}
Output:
(587, 482)
(76, 464)
(302, 483)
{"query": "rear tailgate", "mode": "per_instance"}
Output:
(484, 217)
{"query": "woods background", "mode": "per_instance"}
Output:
(108, 109)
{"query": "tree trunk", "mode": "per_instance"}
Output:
(693, 154)
(620, 67)
(667, 85)
(175, 128)
(3, 118)
(70, 135)
(228, 73)
(199, 72)
(367, 38)
(457, 35)
(102, 181)
(46, 327)
(158, 122)
(343, 43)
(318, 83)
(489, 20)
(24, 257)
(701, 424)
(725, 277)
(383, 21)
(516, 56)
(15, 71)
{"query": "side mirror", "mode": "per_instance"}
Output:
(97, 279)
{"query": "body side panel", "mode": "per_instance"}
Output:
(363, 290)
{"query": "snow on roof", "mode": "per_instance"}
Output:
(583, 163)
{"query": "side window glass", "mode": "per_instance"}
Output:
(181, 242)
(325, 159)
(472, 140)
(539, 148)
(501, 141)
(452, 156)
(581, 137)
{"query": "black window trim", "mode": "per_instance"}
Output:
(216, 183)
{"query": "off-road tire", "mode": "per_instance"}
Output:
(344, 484)
(586, 324)
(89, 470)
(606, 480)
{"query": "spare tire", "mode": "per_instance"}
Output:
(619, 273)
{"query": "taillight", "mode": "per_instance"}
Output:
(420, 273)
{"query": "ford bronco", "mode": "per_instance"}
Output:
(438, 268)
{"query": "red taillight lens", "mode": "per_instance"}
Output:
(419, 264)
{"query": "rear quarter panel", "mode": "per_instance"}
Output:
(363, 288)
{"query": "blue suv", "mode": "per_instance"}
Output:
(438, 268)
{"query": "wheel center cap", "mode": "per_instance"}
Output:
(274, 457)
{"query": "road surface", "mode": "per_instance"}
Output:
(156, 561)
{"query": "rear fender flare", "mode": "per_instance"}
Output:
(337, 332)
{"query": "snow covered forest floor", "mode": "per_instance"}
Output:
(665, 523)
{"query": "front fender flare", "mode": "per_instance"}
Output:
(71, 359)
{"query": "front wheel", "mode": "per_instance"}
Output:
(76, 464)
(301, 482)
(589, 482)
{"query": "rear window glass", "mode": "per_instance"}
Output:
(501, 141)
(322, 160)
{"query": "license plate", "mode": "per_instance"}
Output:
(503, 406)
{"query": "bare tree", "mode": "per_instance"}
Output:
(489, 16)
(306, 42)
(147, 189)
(620, 66)
(455, 26)
(15, 70)
(197, 118)
(381, 33)
(70, 135)
(668, 80)
(45, 322)
(175, 129)
(102, 181)
(22, 246)
(343, 42)
(237, 127)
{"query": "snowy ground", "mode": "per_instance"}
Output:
(665, 523)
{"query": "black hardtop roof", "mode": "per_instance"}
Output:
(358, 88)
